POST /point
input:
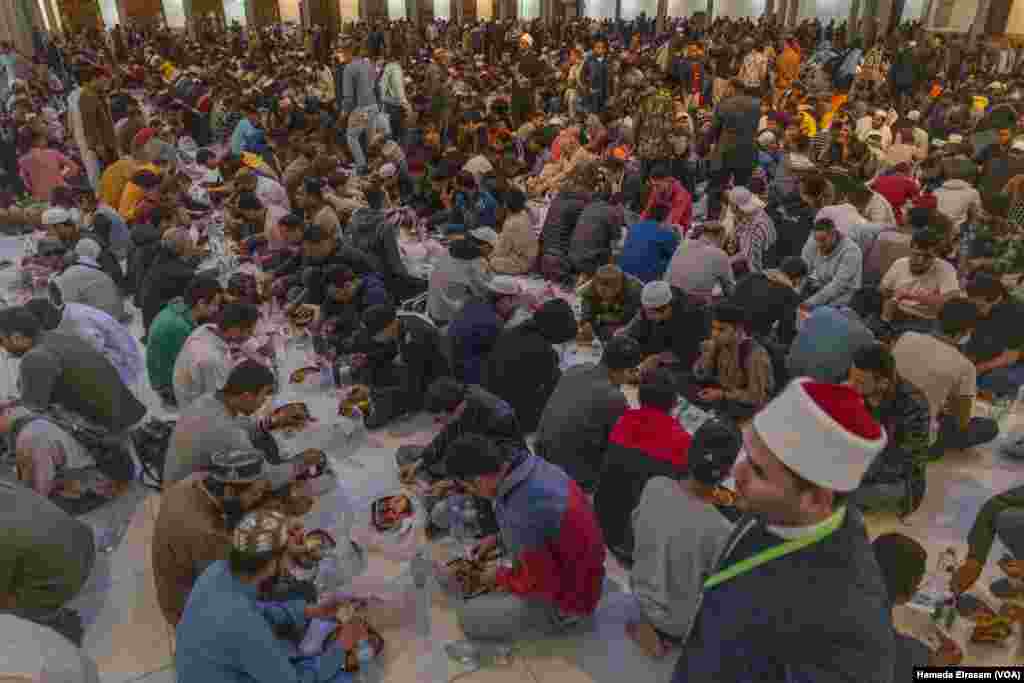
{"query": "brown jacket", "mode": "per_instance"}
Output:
(517, 246)
(745, 380)
(99, 127)
(190, 535)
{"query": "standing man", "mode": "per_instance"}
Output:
(100, 142)
(734, 150)
(359, 102)
(597, 78)
(797, 538)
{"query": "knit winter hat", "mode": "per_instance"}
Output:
(88, 249)
(823, 432)
(260, 532)
(556, 321)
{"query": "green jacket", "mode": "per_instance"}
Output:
(983, 532)
(167, 335)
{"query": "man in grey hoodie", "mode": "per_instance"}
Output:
(835, 266)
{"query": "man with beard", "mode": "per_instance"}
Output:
(221, 421)
(197, 516)
(173, 325)
(61, 370)
(167, 277)
(206, 358)
(915, 287)
(835, 266)
(398, 356)
(798, 536)
(321, 251)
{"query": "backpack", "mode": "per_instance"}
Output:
(151, 441)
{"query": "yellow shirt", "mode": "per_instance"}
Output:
(132, 195)
(114, 180)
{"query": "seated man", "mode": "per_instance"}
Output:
(916, 286)
(904, 564)
(53, 463)
(523, 368)
(649, 246)
(734, 372)
(1002, 517)
(46, 556)
(461, 274)
(217, 422)
(669, 327)
(551, 534)
(168, 276)
(772, 299)
(346, 298)
(224, 632)
(109, 337)
(399, 356)
(84, 282)
(197, 517)
(608, 302)
(172, 327)
(466, 409)
(835, 265)
(998, 340)
(646, 442)
(672, 559)
(61, 370)
(824, 346)
(935, 364)
(321, 250)
(206, 358)
(583, 410)
(475, 329)
(897, 474)
(700, 265)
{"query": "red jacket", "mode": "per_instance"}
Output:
(681, 202)
(549, 527)
(898, 189)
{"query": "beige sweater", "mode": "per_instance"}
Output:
(517, 246)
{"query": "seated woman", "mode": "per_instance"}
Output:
(608, 302)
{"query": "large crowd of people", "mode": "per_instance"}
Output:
(810, 239)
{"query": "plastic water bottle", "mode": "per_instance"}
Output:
(369, 671)
(432, 663)
(316, 635)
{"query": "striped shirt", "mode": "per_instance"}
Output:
(755, 237)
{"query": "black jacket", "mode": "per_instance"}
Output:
(303, 271)
(681, 335)
(421, 361)
(146, 245)
(560, 222)
(768, 300)
(377, 237)
(484, 414)
(523, 369)
(168, 277)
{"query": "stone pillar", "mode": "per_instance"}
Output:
(980, 22)
(882, 18)
(780, 12)
(853, 24)
(769, 9)
(794, 13)
(711, 11)
(662, 19)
